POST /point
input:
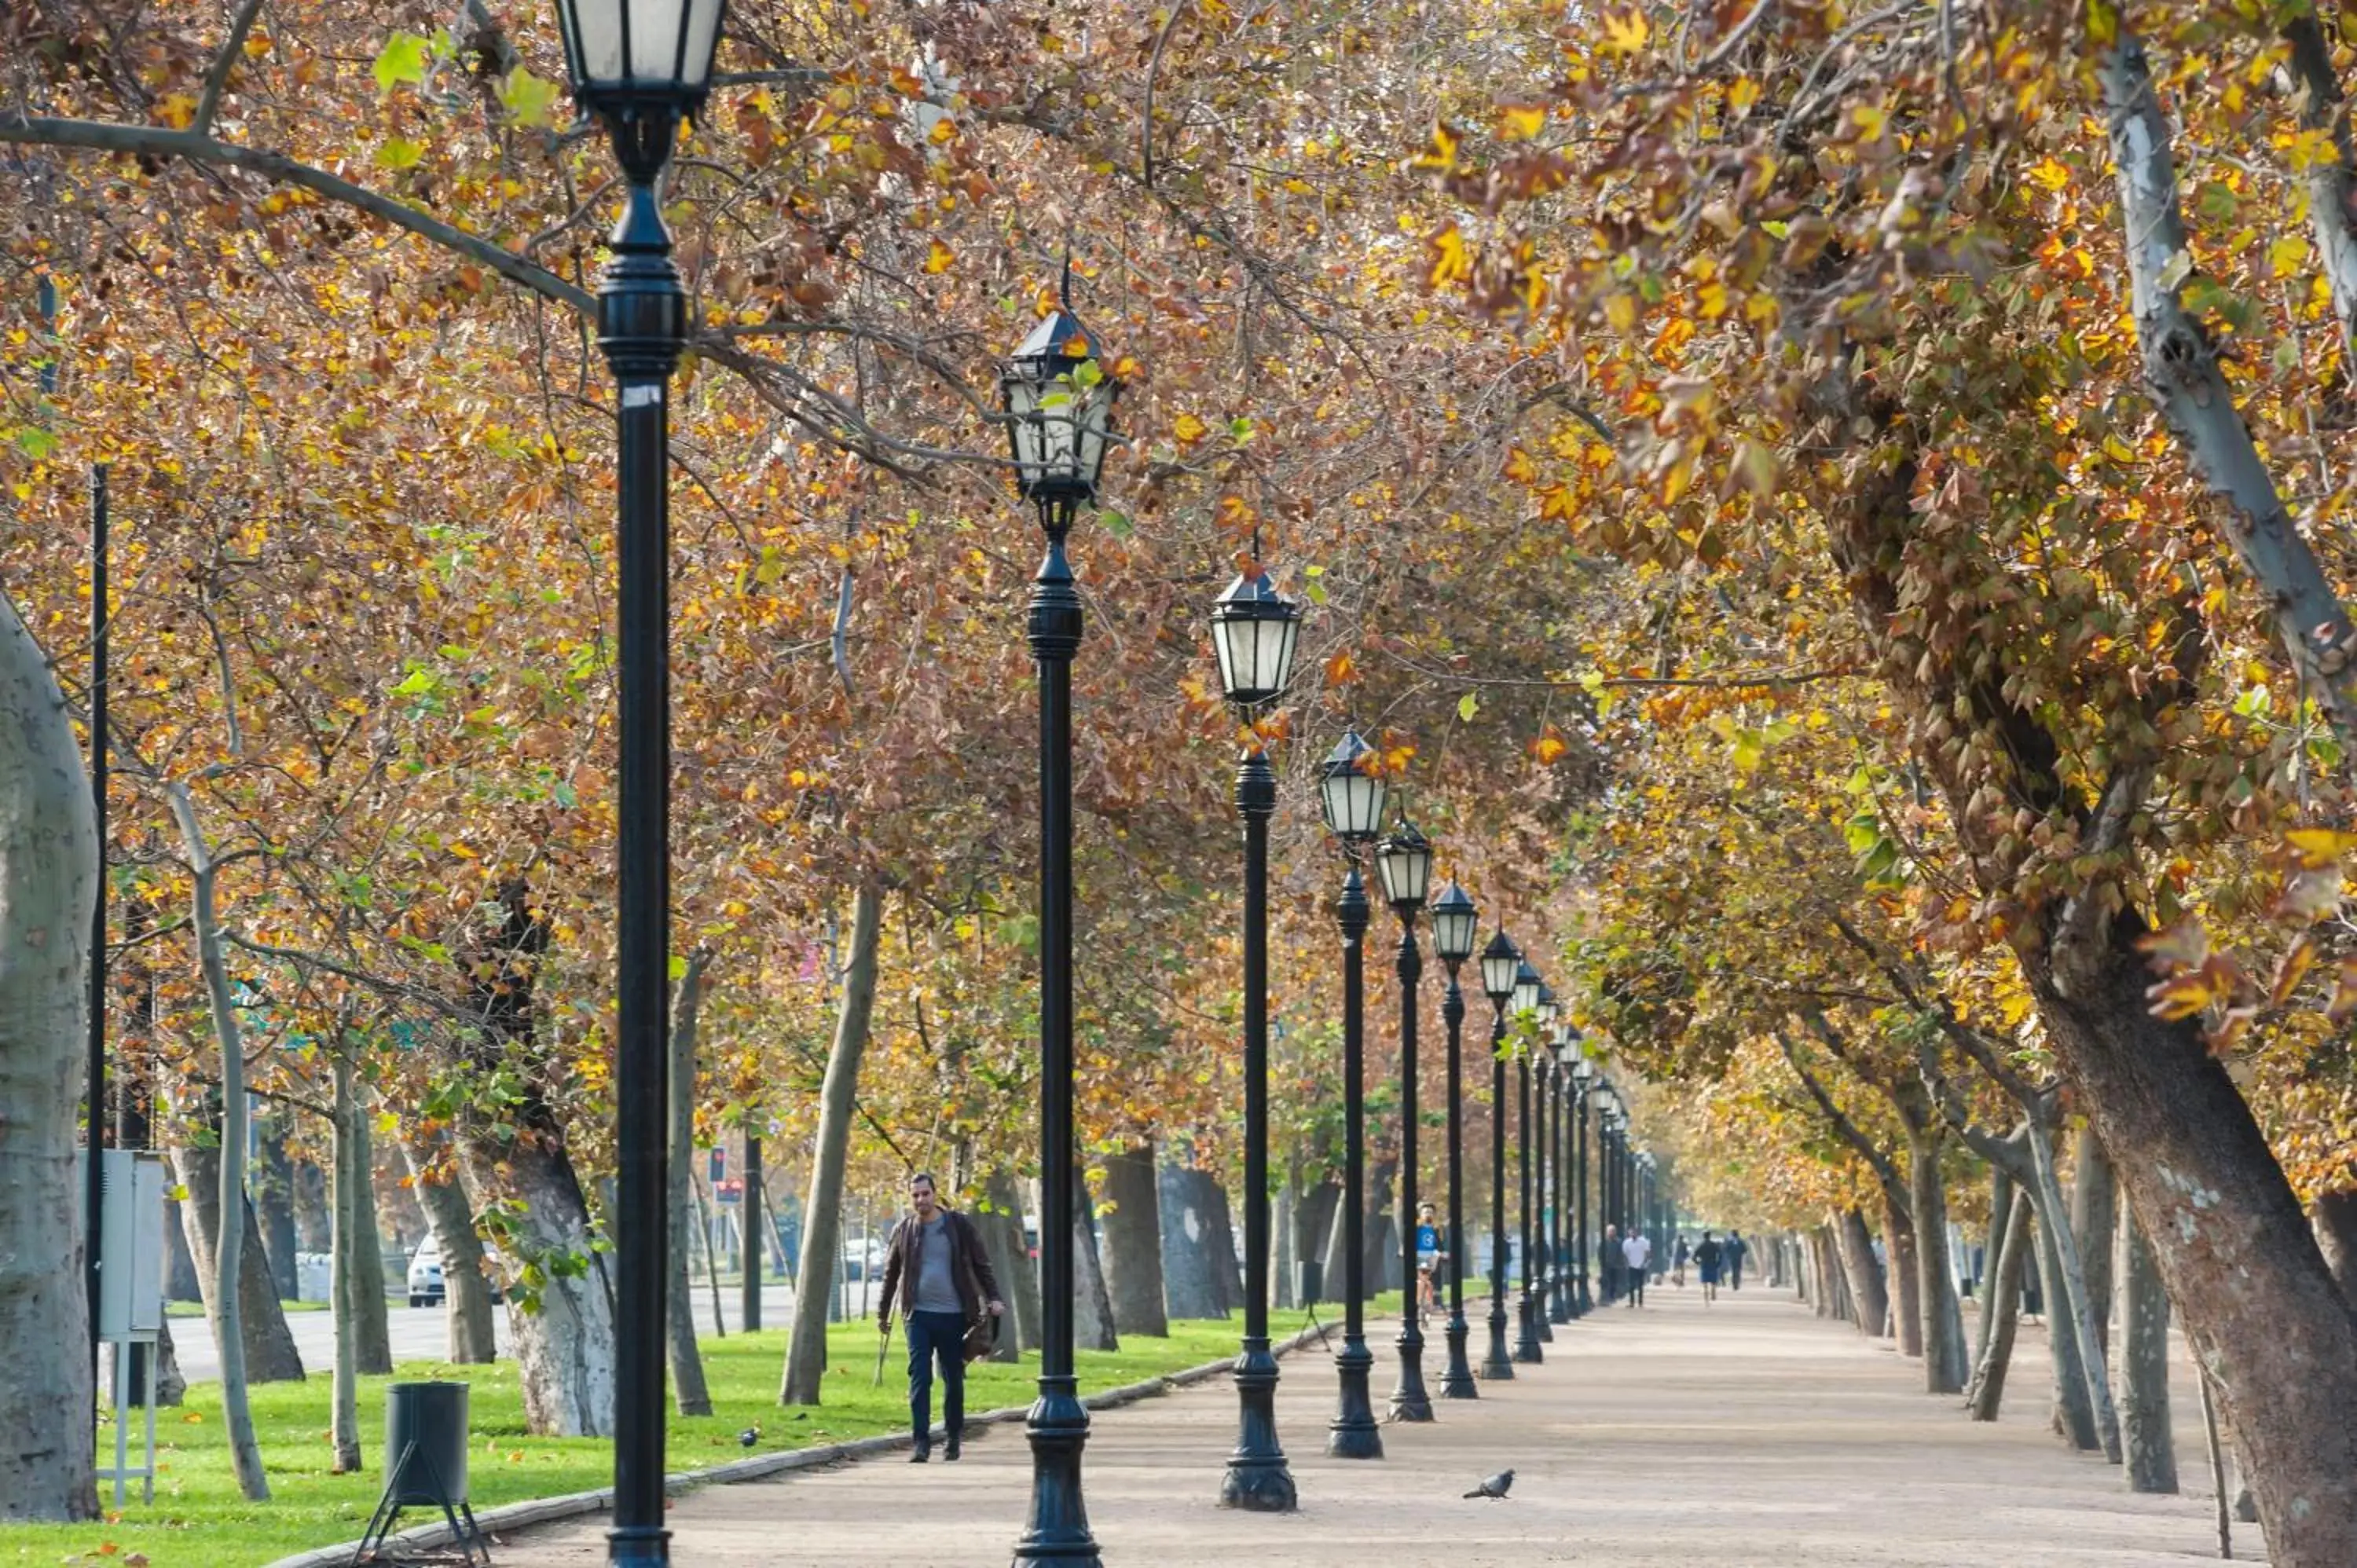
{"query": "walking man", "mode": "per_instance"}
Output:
(1637, 1250)
(1734, 1251)
(1709, 1257)
(936, 1265)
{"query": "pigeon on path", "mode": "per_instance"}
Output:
(1495, 1487)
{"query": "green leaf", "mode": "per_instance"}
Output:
(399, 152)
(403, 58)
(678, 967)
(1239, 430)
(529, 99)
(34, 442)
(417, 684)
(1116, 524)
(1468, 705)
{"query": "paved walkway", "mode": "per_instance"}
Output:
(1742, 1435)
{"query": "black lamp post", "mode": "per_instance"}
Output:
(1561, 1307)
(1254, 630)
(1544, 1241)
(640, 67)
(1352, 794)
(1453, 922)
(1403, 866)
(1583, 1073)
(1529, 993)
(1500, 962)
(1060, 423)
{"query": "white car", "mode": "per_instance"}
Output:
(426, 1273)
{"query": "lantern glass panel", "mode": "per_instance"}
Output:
(1453, 922)
(1404, 863)
(1351, 796)
(1499, 962)
(1526, 989)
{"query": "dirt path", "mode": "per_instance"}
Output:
(1748, 1434)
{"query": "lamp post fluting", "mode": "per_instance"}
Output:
(1528, 998)
(1558, 1077)
(641, 67)
(1254, 630)
(1453, 922)
(1543, 1235)
(1583, 1072)
(1403, 867)
(1352, 794)
(1059, 404)
(1499, 961)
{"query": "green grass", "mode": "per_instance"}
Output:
(178, 1309)
(199, 1521)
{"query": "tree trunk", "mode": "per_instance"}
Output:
(1227, 1270)
(1186, 1288)
(274, 1203)
(772, 1237)
(2331, 189)
(689, 1393)
(2001, 1310)
(374, 1347)
(230, 1251)
(707, 1222)
(164, 1368)
(2070, 1308)
(1942, 1325)
(1902, 1275)
(268, 1344)
(1870, 1303)
(1133, 1243)
(344, 1418)
(1379, 1252)
(465, 1289)
(2335, 1220)
(561, 1308)
(1313, 1224)
(1020, 1279)
(1092, 1326)
(1281, 1222)
(2140, 1368)
(2094, 1220)
(822, 1214)
(2001, 1191)
(49, 884)
(2070, 1414)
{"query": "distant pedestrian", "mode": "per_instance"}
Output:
(1427, 1260)
(1736, 1251)
(939, 1257)
(1709, 1258)
(1678, 1262)
(1637, 1251)
(1608, 1264)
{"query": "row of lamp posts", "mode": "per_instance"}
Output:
(640, 67)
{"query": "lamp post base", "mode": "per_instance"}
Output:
(1540, 1314)
(1526, 1330)
(1057, 1530)
(1409, 1401)
(1559, 1308)
(1256, 1479)
(638, 1543)
(1582, 1304)
(1353, 1434)
(1498, 1366)
(1456, 1382)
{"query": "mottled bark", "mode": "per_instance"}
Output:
(805, 1369)
(1019, 1277)
(2074, 1310)
(2141, 1362)
(1188, 1290)
(48, 883)
(561, 1314)
(2335, 1220)
(1313, 1227)
(373, 1344)
(1861, 1273)
(1133, 1218)
(2001, 1310)
(1227, 1273)
(689, 1392)
(2069, 1413)
(269, 1345)
(1092, 1326)
(2094, 1222)
(465, 1289)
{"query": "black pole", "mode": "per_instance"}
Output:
(1057, 1528)
(642, 319)
(1526, 1330)
(1498, 1365)
(1558, 1078)
(1456, 1382)
(1409, 1399)
(1542, 1214)
(1256, 1478)
(1352, 1433)
(748, 1310)
(94, 1187)
(1583, 1302)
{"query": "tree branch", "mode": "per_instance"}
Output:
(217, 78)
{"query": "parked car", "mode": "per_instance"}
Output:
(425, 1287)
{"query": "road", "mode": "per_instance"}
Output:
(423, 1333)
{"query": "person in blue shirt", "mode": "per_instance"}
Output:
(1427, 1260)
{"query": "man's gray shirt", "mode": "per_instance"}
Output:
(936, 1287)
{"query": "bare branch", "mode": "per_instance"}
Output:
(217, 78)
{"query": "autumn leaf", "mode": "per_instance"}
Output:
(1550, 746)
(2317, 847)
(1451, 262)
(1521, 122)
(530, 100)
(402, 60)
(1189, 429)
(1625, 33)
(939, 257)
(1442, 157)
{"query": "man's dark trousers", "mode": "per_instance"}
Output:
(936, 1335)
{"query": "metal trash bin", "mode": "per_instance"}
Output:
(425, 1443)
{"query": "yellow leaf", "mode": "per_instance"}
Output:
(1869, 121)
(1742, 95)
(1519, 466)
(2289, 972)
(2288, 255)
(1442, 158)
(1625, 33)
(1521, 122)
(2320, 847)
(1451, 262)
(938, 258)
(1189, 429)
